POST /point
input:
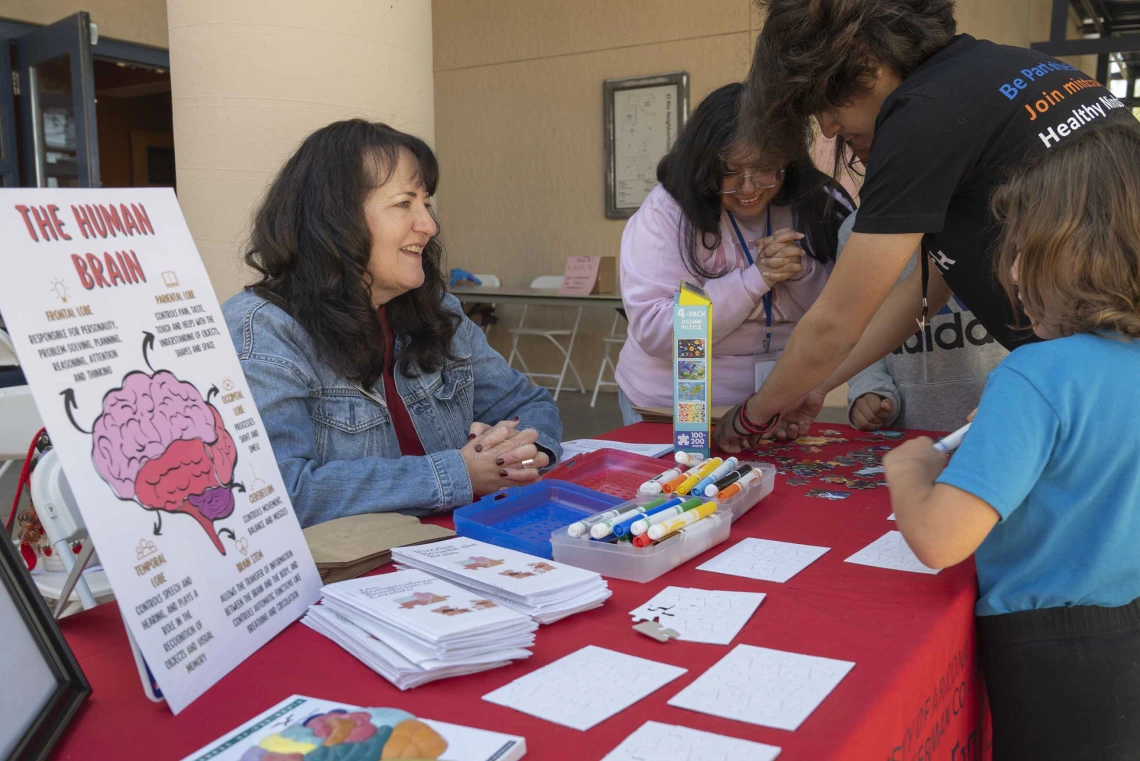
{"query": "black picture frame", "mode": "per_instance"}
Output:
(678, 84)
(72, 687)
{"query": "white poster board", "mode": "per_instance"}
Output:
(123, 343)
(643, 117)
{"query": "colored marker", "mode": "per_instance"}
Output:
(653, 485)
(688, 458)
(621, 529)
(606, 527)
(671, 485)
(640, 526)
(729, 480)
(721, 471)
(731, 491)
(953, 441)
(662, 530)
(575, 530)
(694, 477)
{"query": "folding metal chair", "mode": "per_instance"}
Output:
(614, 338)
(551, 334)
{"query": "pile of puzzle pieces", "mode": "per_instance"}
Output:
(800, 472)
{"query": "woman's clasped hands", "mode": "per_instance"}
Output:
(501, 455)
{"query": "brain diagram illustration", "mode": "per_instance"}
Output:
(159, 443)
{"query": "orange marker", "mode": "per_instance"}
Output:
(671, 485)
(734, 489)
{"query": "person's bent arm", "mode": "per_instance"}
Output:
(867, 269)
(894, 323)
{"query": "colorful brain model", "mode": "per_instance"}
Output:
(160, 444)
(367, 734)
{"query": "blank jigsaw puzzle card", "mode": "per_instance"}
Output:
(700, 615)
(890, 551)
(764, 559)
(758, 685)
(654, 741)
(585, 688)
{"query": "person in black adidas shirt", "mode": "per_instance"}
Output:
(937, 121)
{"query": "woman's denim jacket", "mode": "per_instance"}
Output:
(334, 441)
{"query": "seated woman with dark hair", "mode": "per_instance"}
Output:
(376, 392)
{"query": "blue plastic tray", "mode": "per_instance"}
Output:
(524, 517)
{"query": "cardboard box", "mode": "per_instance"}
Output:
(692, 369)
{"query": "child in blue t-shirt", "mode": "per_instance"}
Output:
(1045, 489)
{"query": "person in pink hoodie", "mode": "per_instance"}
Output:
(758, 234)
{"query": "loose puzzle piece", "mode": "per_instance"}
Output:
(832, 494)
(656, 631)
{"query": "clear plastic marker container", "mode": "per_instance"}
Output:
(621, 560)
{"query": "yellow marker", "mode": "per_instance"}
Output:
(697, 474)
(692, 516)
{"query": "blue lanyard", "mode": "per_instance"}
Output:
(767, 298)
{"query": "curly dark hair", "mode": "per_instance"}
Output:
(692, 170)
(311, 245)
(812, 55)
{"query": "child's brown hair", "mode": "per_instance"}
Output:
(1073, 215)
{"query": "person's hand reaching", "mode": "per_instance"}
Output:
(871, 412)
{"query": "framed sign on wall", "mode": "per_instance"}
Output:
(642, 118)
(43, 687)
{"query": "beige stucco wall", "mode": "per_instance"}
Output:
(519, 121)
(252, 78)
(141, 21)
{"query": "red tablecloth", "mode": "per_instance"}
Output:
(914, 694)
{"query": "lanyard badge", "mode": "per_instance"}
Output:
(767, 298)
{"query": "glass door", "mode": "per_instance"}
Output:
(9, 163)
(60, 144)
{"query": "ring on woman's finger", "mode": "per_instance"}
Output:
(528, 463)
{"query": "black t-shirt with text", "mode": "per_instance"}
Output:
(949, 135)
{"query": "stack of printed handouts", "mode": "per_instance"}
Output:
(542, 589)
(413, 628)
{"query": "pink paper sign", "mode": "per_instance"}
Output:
(581, 274)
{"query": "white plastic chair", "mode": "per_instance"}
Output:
(547, 282)
(614, 338)
(489, 281)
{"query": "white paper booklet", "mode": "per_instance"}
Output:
(764, 559)
(582, 446)
(890, 551)
(123, 342)
(537, 587)
(758, 685)
(586, 687)
(654, 741)
(700, 615)
(300, 724)
(427, 608)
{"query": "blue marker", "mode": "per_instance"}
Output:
(622, 529)
(722, 470)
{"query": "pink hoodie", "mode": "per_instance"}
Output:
(651, 272)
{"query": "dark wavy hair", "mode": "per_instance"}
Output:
(311, 245)
(812, 55)
(692, 170)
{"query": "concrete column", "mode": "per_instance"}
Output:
(250, 79)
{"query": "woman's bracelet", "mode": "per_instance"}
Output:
(751, 428)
